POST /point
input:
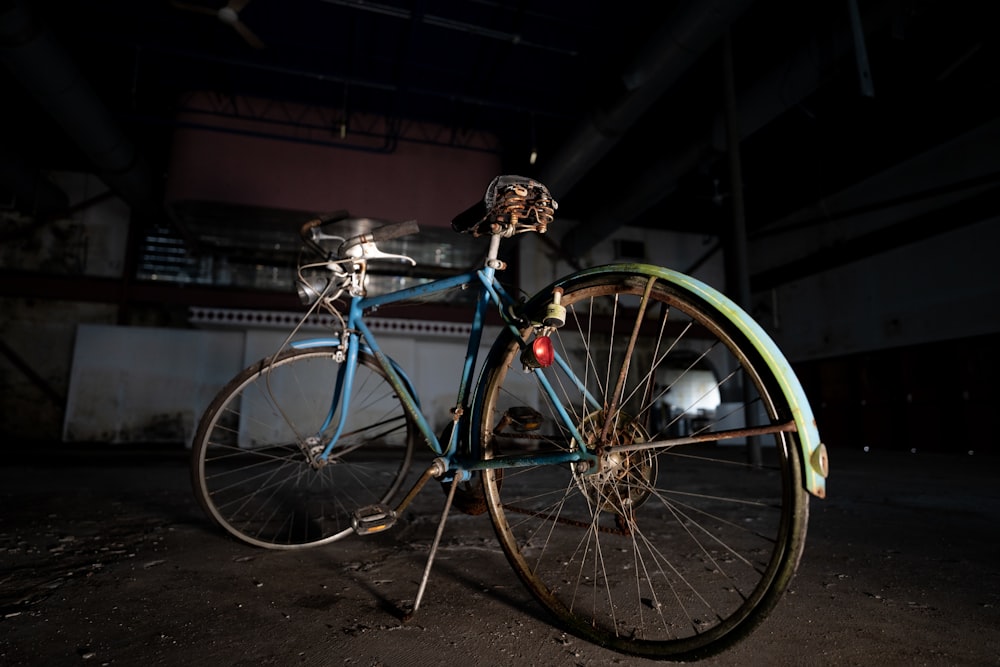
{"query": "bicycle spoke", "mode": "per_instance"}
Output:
(670, 542)
(256, 466)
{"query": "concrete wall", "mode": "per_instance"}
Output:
(38, 334)
(944, 288)
(151, 385)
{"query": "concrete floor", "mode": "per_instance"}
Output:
(105, 559)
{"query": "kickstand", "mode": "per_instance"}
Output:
(434, 548)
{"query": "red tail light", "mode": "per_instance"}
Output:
(539, 354)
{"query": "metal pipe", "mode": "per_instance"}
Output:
(48, 72)
(684, 38)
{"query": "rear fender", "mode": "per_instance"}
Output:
(815, 463)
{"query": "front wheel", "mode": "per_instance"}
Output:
(254, 460)
(677, 549)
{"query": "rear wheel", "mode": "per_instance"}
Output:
(675, 550)
(254, 465)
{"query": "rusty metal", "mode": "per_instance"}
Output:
(713, 436)
(612, 409)
(430, 557)
(814, 478)
(436, 469)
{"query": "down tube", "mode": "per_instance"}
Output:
(408, 398)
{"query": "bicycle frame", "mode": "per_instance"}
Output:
(489, 293)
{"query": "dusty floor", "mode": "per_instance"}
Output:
(106, 559)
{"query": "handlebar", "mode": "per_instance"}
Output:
(306, 231)
(383, 233)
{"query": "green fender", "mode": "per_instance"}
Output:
(815, 461)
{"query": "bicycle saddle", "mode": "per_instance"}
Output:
(512, 204)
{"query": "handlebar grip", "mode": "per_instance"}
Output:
(394, 231)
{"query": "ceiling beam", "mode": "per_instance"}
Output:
(770, 96)
(684, 38)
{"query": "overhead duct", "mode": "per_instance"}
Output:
(48, 73)
(684, 38)
(770, 97)
(784, 87)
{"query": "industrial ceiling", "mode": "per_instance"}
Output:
(627, 105)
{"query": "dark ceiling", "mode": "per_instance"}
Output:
(625, 102)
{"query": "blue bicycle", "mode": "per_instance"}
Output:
(643, 449)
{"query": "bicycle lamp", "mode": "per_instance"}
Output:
(555, 312)
(310, 289)
(539, 354)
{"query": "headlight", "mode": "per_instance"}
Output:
(311, 289)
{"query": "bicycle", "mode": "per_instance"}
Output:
(653, 532)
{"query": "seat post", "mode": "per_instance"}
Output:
(491, 255)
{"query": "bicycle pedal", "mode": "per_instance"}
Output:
(373, 519)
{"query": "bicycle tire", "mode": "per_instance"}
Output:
(672, 552)
(251, 474)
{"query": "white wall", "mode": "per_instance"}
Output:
(147, 384)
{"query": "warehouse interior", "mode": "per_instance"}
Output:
(832, 166)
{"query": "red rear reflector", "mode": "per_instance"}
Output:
(541, 348)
